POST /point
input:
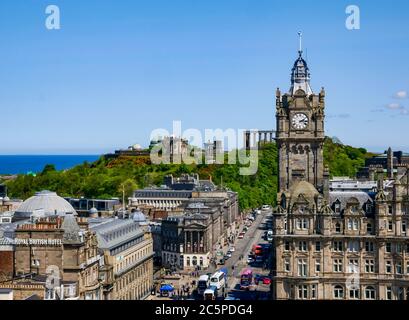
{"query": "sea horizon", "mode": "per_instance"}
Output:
(26, 163)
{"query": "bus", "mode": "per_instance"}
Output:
(218, 280)
(245, 279)
(210, 293)
(202, 284)
(257, 250)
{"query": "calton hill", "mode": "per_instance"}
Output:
(107, 178)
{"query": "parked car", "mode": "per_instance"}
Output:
(241, 235)
(232, 249)
(221, 261)
(250, 259)
(265, 207)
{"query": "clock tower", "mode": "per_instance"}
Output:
(300, 131)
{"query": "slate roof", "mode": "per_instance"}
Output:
(345, 196)
(112, 233)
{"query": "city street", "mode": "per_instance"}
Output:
(235, 265)
(243, 247)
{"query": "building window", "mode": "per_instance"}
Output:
(369, 246)
(338, 292)
(302, 267)
(407, 267)
(287, 266)
(318, 246)
(303, 292)
(353, 266)
(404, 227)
(337, 246)
(370, 293)
(388, 293)
(390, 225)
(313, 291)
(399, 268)
(388, 266)
(287, 246)
(317, 265)
(337, 206)
(349, 225)
(353, 246)
(338, 227)
(369, 266)
(337, 265)
(388, 247)
(401, 293)
(390, 209)
(352, 224)
(369, 228)
(302, 224)
(302, 245)
(354, 293)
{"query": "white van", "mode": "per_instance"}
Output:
(218, 280)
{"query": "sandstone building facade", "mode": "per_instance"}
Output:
(349, 243)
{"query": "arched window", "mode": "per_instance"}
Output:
(338, 292)
(194, 261)
(201, 261)
(188, 261)
(370, 293)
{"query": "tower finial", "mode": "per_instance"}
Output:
(300, 38)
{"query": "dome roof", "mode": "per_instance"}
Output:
(306, 189)
(93, 210)
(138, 216)
(49, 202)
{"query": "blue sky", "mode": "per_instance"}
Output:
(116, 70)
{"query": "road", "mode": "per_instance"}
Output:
(254, 235)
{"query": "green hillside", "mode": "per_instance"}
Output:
(106, 178)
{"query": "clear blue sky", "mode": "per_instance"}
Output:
(118, 69)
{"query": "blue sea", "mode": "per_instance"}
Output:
(23, 164)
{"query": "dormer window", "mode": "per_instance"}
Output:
(337, 206)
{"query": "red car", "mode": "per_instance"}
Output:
(266, 280)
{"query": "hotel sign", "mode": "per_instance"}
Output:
(37, 242)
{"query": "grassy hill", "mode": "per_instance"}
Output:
(107, 178)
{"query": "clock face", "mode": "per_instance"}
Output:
(299, 121)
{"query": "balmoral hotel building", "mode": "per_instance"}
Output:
(341, 240)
